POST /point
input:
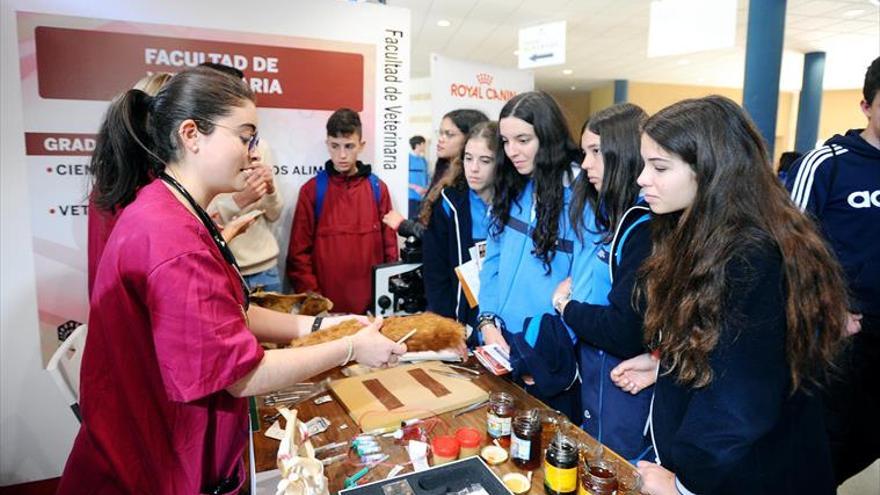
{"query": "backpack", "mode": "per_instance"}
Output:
(323, 180)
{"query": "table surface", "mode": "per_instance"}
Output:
(266, 448)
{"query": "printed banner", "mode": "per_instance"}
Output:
(460, 84)
(71, 68)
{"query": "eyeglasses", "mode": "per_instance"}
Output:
(448, 134)
(252, 142)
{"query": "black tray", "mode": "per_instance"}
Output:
(440, 480)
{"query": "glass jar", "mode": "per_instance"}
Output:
(525, 440)
(499, 417)
(560, 467)
(598, 478)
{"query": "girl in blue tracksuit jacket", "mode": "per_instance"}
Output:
(529, 250)
(597, 303)
(459, 220)
(744, 305)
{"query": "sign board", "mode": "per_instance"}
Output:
(542, 45)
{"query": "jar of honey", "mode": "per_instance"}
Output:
(598, 478)
(525, 440)
(560, 466)
(499, 417)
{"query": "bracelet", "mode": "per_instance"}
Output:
(316, 325)
(350, 351)
(560, 302)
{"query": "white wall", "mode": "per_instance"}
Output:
(36, 428)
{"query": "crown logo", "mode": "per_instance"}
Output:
(484, 78)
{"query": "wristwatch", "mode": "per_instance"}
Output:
(486, 319)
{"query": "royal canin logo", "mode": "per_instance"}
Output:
(483, 90)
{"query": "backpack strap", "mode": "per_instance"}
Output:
(322, 181)
(640, 214)
(374, 183)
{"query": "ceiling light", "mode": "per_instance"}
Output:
(567, 72)
(516, 53)
(849, 14)
(684, 61)
(574, 88)
(444, 23)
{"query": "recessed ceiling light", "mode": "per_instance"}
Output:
(567, 72)
(849, 14)
(574, 88)
(684, 61)
(444, 23)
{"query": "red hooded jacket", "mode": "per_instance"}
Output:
(335, 257)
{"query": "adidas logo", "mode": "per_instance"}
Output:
(864, 199)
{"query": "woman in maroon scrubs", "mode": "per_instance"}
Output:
(172, 348)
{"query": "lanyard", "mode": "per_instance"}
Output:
(212, 229)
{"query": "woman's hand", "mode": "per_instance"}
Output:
(393, 219)
(656, 480)
(234, 227)
(853, 324)
(563, 291)
(492, 335)
(636, 374)
(373, 349)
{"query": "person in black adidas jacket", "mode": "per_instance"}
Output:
(745, 306)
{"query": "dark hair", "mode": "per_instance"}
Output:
(739, 204)
(872, 81)
(449, 171)
(226, 69)
(553, 162)
(618, 127)
(415, 141)
(138, 135)
(786, 160)
(343, 123)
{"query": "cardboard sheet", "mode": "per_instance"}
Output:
(384, 398)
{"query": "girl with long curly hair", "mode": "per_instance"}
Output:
(529, 250)
(745, 307)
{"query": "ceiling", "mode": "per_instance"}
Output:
(607, 39)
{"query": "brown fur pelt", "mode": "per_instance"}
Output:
(308, 303)
(435, 333)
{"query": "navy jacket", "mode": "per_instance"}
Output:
(445, 245)
(609, 334)
(745, 432)
(839, 185)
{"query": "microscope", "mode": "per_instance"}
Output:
(399, 288)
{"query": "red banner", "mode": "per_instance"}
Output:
(58, 144)
(94, 65)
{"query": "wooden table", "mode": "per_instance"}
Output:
(266, 448)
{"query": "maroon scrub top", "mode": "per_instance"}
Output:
(167, 335)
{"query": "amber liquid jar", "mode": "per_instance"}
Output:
(598, 478)
(525, 440)
(561, 467)
(499, 417)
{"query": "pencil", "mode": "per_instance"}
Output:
(408, 335)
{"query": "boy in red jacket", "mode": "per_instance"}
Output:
(338, 234)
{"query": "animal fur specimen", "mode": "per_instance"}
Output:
(435, 333)
(308, 303)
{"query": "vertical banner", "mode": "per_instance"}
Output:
(462, 84)
(71, 68)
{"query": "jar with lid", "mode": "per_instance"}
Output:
(561, 466)
(499, 417)
(598, 478)
(525, 440)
